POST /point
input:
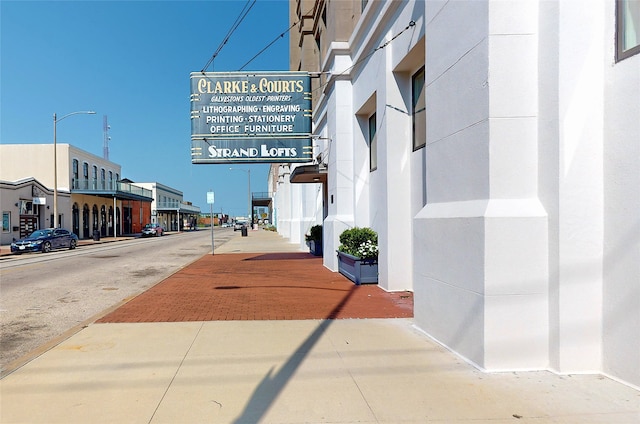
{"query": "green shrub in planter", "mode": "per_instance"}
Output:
(314, 240)
(315, 234)
(359, 242)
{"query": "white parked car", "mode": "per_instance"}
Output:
(239, 225)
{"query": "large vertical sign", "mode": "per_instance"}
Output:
(257, 117)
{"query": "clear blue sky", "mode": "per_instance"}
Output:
(131, 60)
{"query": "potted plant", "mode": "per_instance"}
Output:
(314, 240)
(358, 255)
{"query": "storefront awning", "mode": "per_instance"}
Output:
(309, 174)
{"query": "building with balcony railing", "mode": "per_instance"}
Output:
(169, 209)
(262, 206)
(92, 196)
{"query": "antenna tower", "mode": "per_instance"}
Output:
(105, 144)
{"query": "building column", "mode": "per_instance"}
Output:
(340, 169)
(284, 202)
(481, 244)
(394, 148)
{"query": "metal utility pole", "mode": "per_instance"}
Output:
(105, 143)
(210, 201)
(55, 160)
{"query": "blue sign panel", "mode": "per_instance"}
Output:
(250, 117)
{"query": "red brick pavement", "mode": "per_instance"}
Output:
(268, 286)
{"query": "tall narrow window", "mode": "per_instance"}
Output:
(373, 144)
(102, 178)
(74, 182)
(85, 175)
(418, 113)
(627, 28)
(95, 177)
(6, 222)
(319, 45)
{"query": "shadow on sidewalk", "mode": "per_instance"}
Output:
(272, 384)
(280, 256)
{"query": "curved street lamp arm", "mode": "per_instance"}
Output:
(83, 112)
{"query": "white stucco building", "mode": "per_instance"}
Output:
(494, 146)
(169, 208)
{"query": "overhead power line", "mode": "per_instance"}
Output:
(365, 57)
(380, 47)
(268, 45)
(246, 10)
(243, 14)
(235, 26)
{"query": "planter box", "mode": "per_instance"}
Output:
(360, 271)
(315, 248)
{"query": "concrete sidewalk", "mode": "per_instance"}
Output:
(367, 370)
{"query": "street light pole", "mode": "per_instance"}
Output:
(55, 161)
(248, 171)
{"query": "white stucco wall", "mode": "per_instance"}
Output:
(577, 292)
(382, 199)
(481, 247)
(621, 250)
(284, 202)
(517, 226)
(589, 188)
(339, 170)
(305, 208)
(527, 252)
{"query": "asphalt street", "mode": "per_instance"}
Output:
(46, 295)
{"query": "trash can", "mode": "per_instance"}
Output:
(244, 231)
(96, 235)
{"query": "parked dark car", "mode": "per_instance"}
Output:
(46, 240)
(152, 230)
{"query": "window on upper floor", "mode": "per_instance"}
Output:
(627, 28)
(85, 170)
(103, 177)
(373, 144)
(75, 166)
(6, 222)
(319, 46)
(418, 111)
